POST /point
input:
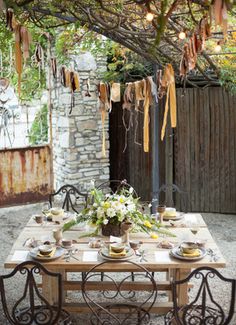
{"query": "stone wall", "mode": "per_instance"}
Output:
(77, 138)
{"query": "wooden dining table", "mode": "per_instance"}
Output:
(157, 259)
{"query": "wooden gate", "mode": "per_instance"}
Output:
(203, 159)
(25, 175)
(205, 149)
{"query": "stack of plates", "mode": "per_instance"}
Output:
(105, 254)
(176, 216)
(177, 253)
(58, 253)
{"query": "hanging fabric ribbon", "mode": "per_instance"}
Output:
(54, 67)
(25, 40)
(140, 90)
(115, 92)
(87, 93)
(104, 106)
(147, 103)
(169, 82)
(18, 55)
(10, 21)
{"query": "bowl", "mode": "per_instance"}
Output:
(45, 249)
(117, 248)
(188, 247)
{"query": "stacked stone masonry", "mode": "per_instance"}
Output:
(77, 138)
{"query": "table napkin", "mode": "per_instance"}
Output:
(196, 253)
(90, 256)
(20, 256)
(114, 254)
(162, 256)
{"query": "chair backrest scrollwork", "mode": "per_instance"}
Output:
(30, 306)
(205, 307)
(118, 303)
(67, 192)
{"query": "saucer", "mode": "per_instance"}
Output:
(67, 247)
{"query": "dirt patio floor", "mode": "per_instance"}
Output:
(222, 227)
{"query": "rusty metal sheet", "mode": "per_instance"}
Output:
(24, 175)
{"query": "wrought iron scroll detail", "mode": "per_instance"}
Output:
(120, 306)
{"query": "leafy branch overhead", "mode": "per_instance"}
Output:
(156, 39)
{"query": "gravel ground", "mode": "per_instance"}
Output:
(222, 227)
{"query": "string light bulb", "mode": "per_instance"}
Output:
(149, 16)
(218, 47)
(182, 35)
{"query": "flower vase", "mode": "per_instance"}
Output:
(112, 230)
(126, 227)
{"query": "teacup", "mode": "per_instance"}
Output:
(188, 247)
(135, 244)
(66, 243)
(38, 218)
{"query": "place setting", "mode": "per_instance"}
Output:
(116, 252)
(188, 251)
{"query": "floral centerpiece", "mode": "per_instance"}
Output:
(106, 212)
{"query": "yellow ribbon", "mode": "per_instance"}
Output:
(169, 81)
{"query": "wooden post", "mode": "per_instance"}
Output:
(155, 150)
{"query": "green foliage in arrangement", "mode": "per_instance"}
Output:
(39, 130)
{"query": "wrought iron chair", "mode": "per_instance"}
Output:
(67, 192)
(29, 306)
(204, 308)
(174, 196)
(115, 186)
(117, 303)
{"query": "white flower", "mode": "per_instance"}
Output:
(105, 221)
(95, 205)
(131, 190)
(131, 207)
(150, 205)
(92, 183)
(111, 212)
(100, 212)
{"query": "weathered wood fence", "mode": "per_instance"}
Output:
(202, 150)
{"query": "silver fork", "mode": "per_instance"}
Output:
(142, 258)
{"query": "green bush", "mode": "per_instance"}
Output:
(39, 130)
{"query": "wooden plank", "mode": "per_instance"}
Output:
(206, 151)
(202, 149)
(158, 308)
(187, 106)
(192, 126)
(233, 135)
(197, 153)
(212, 151)
(225, 106)
(222, 131)
(217, 152)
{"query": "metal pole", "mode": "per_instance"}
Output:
(155, 151)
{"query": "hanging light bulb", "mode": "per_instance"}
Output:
(218, 47)
(149, 16)
(182, 35)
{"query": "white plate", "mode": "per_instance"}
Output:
(58, 253)
(179, 215)
(175, 252)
